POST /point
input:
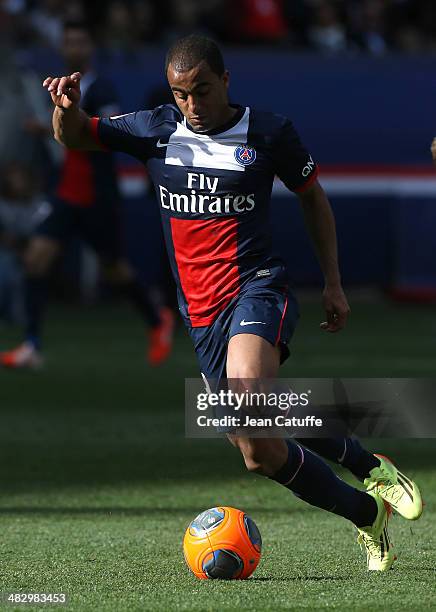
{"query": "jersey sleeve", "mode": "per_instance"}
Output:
(293, 163)
(127, 133)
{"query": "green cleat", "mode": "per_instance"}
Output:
(401, 493)
(375, 539)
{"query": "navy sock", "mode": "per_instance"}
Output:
(138, 295)
(312, 480)
(347, 452)
(35, 290)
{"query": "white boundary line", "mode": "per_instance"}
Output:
(136, 184)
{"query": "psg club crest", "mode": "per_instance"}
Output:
(245, 155)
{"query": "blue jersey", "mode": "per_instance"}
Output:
(214, 192)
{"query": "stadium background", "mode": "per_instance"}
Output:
(97, 479)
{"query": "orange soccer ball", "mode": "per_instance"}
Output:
(224, 543)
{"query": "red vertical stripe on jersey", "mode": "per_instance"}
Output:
(207, 262)
(77, 183)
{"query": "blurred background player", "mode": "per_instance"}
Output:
(22, 208)
(86, 203)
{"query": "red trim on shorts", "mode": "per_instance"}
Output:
(281, 322)
(308, 183)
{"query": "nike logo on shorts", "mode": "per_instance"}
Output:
(160, 144)
(243, 322)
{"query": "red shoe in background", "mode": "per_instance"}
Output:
(161, 338)
(25, 356)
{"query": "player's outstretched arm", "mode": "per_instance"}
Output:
(71, 125)
(433, 149)
(321, 226)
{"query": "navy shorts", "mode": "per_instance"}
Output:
(98, 225)
(265, 307)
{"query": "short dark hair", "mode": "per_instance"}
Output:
(188, 52)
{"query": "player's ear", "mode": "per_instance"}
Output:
(226, 78)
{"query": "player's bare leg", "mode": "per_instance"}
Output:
(250, 358)
(159, 320)
(304, 473)
(38, 259)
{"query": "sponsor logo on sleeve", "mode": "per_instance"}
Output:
(309, 167)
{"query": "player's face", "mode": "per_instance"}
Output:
(201, 95)
(77, 49)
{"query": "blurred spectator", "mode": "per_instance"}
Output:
(48, 16)
(327, 31)
(14, 24)
(298, 14)
(46, 20)
(118, 34)
(186, 17)
(22, 102)
(21, 209)
(146, 21)
(326, 26)
(412, 25)
(367, 21)
(257, 21)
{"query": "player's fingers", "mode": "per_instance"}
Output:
(53, 85)
(46, 82)
(339, 321)
(335, 321)
(326, 326)
(75, 77)
(62, 86)
(330, 327)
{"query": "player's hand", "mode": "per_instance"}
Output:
(65, 90)
(337, 309)
(433, 149)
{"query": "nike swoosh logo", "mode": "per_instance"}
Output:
(243, 322)
(160, 144)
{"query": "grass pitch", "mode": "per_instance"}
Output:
(98, 482)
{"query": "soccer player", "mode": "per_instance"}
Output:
(213, 165)
(86, 204)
